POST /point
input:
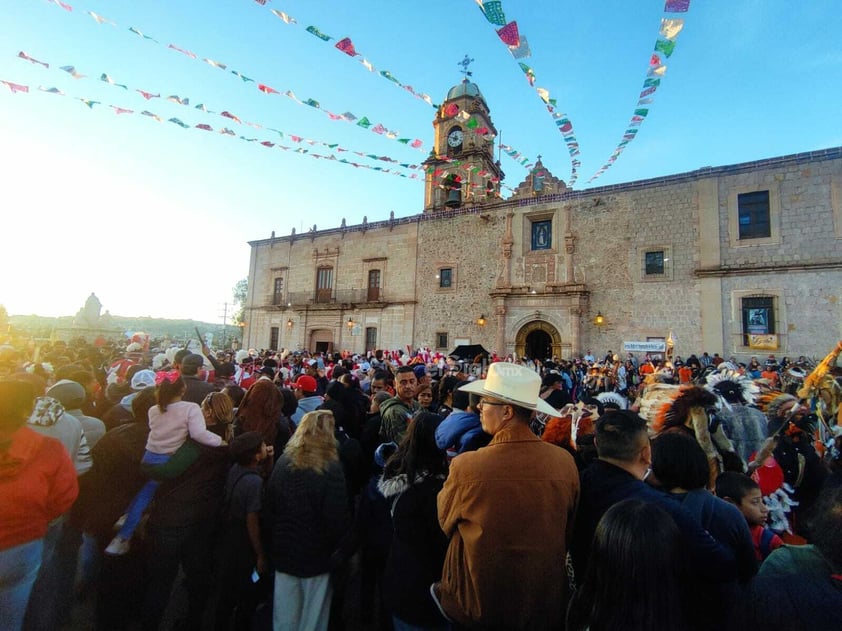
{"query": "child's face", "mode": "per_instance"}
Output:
(753, 508)
(425, 398)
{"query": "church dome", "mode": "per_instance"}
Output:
(466, 88)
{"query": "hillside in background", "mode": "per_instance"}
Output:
(43, 327)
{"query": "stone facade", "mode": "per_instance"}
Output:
(529, 275)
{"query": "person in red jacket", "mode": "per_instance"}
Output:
(37, 484)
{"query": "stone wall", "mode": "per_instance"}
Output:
(596, 265)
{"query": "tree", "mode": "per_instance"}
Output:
(240, 292)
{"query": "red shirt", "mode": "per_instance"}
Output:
(772, 543)
(37, 484)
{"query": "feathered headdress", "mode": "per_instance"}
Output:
(676, 412)
(612, 397)
(732, 387)
(770, 403)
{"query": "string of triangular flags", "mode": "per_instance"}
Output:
(349, 117)
(518, 46)
(346, 46)
(226, 113)
(118, 110)
(664, 48)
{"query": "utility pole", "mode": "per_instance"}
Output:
(225, 325)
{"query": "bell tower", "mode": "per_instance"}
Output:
(461, 168)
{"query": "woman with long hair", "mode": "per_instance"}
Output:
(306, 507)
(260, 410)
(411, 481)
(635, 575)
(218, 410)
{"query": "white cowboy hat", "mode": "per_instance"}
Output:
(513, 384)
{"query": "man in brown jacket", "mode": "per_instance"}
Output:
(508, 510)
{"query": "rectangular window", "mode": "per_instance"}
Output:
(446, 277)
(441, 340)
(373, 285)
(753, 215)
(654, 262)
(542, 235)
(370, 338)
(278, 291)
(324, 284)
(273, 338)
(758, 316)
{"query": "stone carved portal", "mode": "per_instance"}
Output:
(538, 340)
(321, 341)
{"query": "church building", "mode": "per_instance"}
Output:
(741, 260)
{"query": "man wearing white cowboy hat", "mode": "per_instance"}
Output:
(508, 510)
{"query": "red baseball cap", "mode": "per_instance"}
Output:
(306, 383)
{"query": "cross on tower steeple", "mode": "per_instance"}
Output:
(465, 63)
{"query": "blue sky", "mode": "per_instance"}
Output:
(154, 218)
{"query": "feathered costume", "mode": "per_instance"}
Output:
(744, 425)
(691, 409)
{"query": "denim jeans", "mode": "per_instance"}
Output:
(143, 498)
(18, 569)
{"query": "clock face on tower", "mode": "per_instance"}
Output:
(454, 138)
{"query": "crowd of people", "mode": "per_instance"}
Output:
(456, 493)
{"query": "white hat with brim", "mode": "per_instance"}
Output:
(514, 384)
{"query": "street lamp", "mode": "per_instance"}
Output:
(599, 320)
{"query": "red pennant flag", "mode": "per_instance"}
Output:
(654, 60)
(266, 89)
(23, 55)
(415, 144)
(451, 110)
(347, 47)
(509, 34)
(204, 127)
(15, 87)
(267, 143)
(121, 110)
(231, 116)
(148, 95)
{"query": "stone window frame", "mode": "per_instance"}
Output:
(442, 336)
(372, 343)
(453, 277)
(668, 264)
(535, 217)
(369, 265)
(778, 297)
(278, 292)
(774, 215)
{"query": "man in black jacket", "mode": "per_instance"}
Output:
(182, 525)
(197, 389)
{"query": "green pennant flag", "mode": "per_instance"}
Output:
(364, 122)
(179, 122)
(312, 103)
(651, 83)
(404, 141)
(388, 75)
(641, 112)
(319, 34)
(333, 146)
(472, 123)
(493, 12)
(242, 76)
(665, 46)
